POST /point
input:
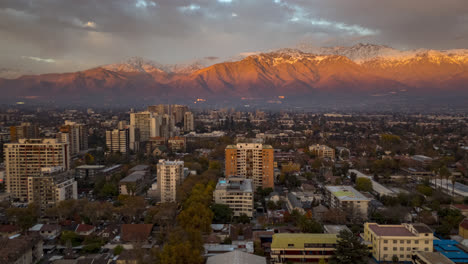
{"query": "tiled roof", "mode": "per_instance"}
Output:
(84, 228)
(136, 232)
(464, 224)
(9, 229)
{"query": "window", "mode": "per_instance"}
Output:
(385, 248)
(394, 249)
(408, 241)
(290, 245)
(426, 242)
(426, 249)
(385, 241)
(416, 242)
(395, 241)
(402, 248)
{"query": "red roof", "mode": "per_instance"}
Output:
(136, 232)
(9, 229)
(390, 230)
(84, 228)
(464, 224)
(461, 207)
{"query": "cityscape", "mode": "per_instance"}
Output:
(227, 136)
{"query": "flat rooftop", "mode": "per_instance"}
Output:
(346, 193)
(133, 177)
(235, 183)
(390, 230)
(297, 240)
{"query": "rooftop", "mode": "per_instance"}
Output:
(136, 232)
(346, 193)
(390, 230)
(90, 167)
(297, 240)
(234, 183)
(236, 257)
(435, 257)
(133, 177)
(452, 250)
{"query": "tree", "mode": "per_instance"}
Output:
(363, 184)
(309, 225)
(222, 213)
(118, 249)
(24, 217)
(70, 236)
(395, 259)
(89, 159)
(349, 249)
(243, 218)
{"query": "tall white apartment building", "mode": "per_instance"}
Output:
(188, 122)
(118, 140)
(237, 193)
(27, 157)
(145, 125)
(170, 175)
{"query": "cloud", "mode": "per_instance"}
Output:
(87, 33)
(38, 59)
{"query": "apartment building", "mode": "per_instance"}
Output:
(252, 161)
(27, 157)
(322, 151)
(237, 193)
(118, 140)
(52, 186)
(133, 184)
(76, 135)
(348, 199)
(398, 240)
(25, 130)
(302, 248)
(189, 122)
(170, 175)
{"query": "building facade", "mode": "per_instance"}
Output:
(397, 240)
(25, 130)
(76, 135)
(322, 151)
(189, 124)
(118, 140)
(26, 159)
(348, 199)
(251, 161)
(237, 193)
(170, 176)
(302, 248)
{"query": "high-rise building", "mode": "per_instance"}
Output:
(25, 130)
(118, 140)
(251, 161)
(402, 240)
(27, 157)
(188, 122)
(170, 176)
(176, 112)
(51, 186)
(76, 135)
(237, 193)
(141, 126)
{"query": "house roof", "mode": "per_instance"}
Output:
(287, 240)
(136, 232)
(9, 229)
(236, 257)
(12, 249)
(464, 224)
(84, 228)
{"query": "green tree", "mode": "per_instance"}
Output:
(363, 184)
(71, 236)
(395, 259)
(118, 250)
(24, 217)
(222, 213)
(349, 249)
(309, 225)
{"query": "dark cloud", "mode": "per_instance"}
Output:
(81, 34)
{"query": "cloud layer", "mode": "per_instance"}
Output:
(67, 35)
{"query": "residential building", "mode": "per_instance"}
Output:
(76, 135)
(118, 140)
(397, 240)
(252, 161)
(237, 193)
(322, 151)
(21, 250)
(177, 144)
(189, 122)
(421, 160)
(463, 228)
(27, 157)
(136, 233)
(300, 247)
(142, 127)
(23, 131)
(236, 257)
(88, 172)
(421, 257)
(133, 184)
(348, 199)
(52, 186)
(170, 175)
(85, 229)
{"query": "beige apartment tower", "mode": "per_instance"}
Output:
(170, 176)
(251, 161)
(27, 157)
(118, 140)
(237, 193)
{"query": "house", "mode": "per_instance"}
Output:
(47, 231)
(463, 208)
(85, 230)
(21, 250)
(9, 230)
(136, 232)
(109, 232)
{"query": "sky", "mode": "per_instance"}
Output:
(40, 36)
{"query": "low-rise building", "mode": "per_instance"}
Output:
(347, 198)
(452, 249)
(322, 151)
(421, 257)
(397, 240)
(463, 229)
(21, 250)
(300, 247)
(237, 193)
(132, 184)
(88, 171)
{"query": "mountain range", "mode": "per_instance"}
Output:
(363, 70)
